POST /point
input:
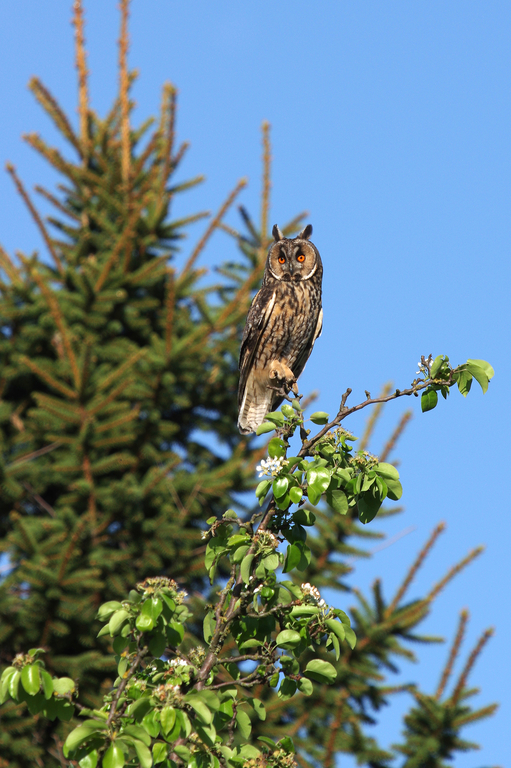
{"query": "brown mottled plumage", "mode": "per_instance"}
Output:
(283, 323)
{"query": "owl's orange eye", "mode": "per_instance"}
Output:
(300, 258)
(282, 259)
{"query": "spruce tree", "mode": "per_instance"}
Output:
(118, 404)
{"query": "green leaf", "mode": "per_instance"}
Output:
(484, 365)
(138, 709)
(436, 365)
(151, 724)
(262, 489)
(14, 682)
(160, 751)
(319, 478)
(246, 568)
(394, 490)
(479, 374)
(336, 627)
(338, 500)
(116, 621)
(63, 685)
(287, 744)
(47, 683)
(295, 494)
(90, 760)
(321, 671)
(305, 686)
(137, 732)
(429, 399)
(200, 708)
(271, 562)
(276, 448)
(259, 708)
(280, 485)
(31, 679)
(81, 734)
(106, 610)
(167, 719)
(288, 638)
(287, 689)
(114, 757)
(143, 753)
(368, 507)
(243, 724)
(287, 410)
(319, 417)
(388, 471)
(293, 557)
(464, 380)
(351, 637)
(266, 426)
(276, 417)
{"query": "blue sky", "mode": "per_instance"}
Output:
(391, 127)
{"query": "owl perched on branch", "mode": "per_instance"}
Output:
(284, 321)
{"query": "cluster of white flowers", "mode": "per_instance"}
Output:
(313, 592)
(271, 467)
(424, 367)
(178, 663)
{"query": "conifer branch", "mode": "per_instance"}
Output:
(66, 555)
(119, 372)
(59, 321)
(42, 229)
(265, 198)
(91, 503)
(54, 111)
(48, 378)
(121, 243)
(9, 268)
(212, 226)
(454, 571)
(167, 130)
(453, 655)
(374, 418)
(470, 663)
(124, 86)
(81, 67)
(414, 568)
(170, 295)
(56, 202)
(391, 443)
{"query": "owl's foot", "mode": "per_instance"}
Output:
(282, 376)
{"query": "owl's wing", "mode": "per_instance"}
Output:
(302, 359)
(257, 320)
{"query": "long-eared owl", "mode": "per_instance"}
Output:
(283, 322)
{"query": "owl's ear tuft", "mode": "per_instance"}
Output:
(277, 234)
(305, 233)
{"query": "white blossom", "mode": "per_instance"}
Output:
(271, 467)
(313, 592)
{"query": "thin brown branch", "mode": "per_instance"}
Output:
(413, 570)
(389, 446)
(470, 663)
(124, 682)
(213, 225)
(124, 85)
(39, 500)
(81, 68)
(344, 412)
(39, 222)
(36, 454)
(453, 655)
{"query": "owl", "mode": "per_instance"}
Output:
(284, 321)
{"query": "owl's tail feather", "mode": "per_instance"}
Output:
(255, 405)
